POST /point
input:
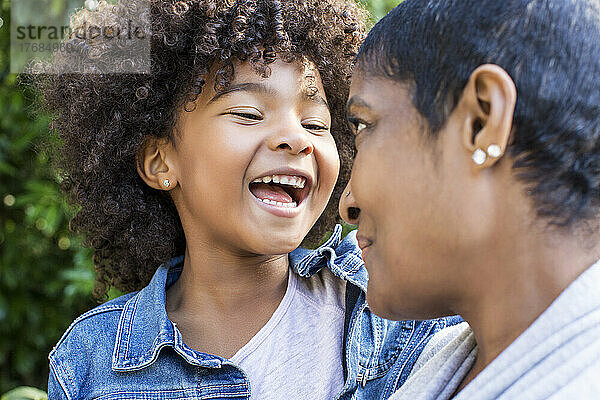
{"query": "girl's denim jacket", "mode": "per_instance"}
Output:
(128, 348)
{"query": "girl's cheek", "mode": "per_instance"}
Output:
(329, 164)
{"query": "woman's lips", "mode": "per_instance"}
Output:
(363, 242)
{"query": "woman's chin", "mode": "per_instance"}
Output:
(398, 304)
(380, 306)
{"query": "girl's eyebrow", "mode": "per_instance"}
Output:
(259, 88)
(316, 98)
(251, 87)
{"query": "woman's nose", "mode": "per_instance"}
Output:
(349, 210)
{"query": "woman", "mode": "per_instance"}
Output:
(476, 188)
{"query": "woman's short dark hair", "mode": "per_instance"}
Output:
(551, 49)
(102, 120)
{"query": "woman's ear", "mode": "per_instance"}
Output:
(154, 165)
(489, 100)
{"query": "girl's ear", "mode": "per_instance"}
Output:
(154, 165)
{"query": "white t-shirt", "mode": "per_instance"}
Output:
(298, 353)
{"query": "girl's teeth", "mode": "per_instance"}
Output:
(295, 181)
(280, 204)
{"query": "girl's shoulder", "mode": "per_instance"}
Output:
(99, 319)
(87, 343)
(91, 334)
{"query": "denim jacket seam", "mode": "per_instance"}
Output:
(354, 337)
(55, 368)
(406, 340)
(348, 260)
(191, 356)
(129, 327)
(221, 395)
(414, 348)
(331, 243)
(351, 342)
(84, 316)
(380, 341)
(345, 275)
(123, 335)
(380, 368)
(383, 368)
(141, 362)
(351, 259)
(367, 368)
(183, 391)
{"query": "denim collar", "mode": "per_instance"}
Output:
(342, 257)
(144, 327)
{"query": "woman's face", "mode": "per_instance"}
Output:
(256, 163)
(414, 212)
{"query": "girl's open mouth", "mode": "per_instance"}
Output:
(285, 191)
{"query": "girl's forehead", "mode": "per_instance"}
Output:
(297, 75)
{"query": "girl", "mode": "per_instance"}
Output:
(195, 182)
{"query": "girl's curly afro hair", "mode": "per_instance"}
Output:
(103, 119)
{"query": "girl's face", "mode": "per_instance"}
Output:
(256, 163)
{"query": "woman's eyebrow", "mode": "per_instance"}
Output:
(251, 87)
(356, 102)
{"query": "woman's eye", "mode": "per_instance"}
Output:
(357, 125)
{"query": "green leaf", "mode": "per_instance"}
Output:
(25, 393)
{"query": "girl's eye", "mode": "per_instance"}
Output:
(315, 127)
(253, 117)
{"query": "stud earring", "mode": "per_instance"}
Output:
(494, 151)
(166, 183)
(479, 157)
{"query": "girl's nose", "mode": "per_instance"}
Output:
(294, 140)
(349, 210)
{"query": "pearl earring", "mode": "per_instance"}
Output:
(166, 183)
(494, 151)
(479, 157)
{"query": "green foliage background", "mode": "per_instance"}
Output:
(46, 276)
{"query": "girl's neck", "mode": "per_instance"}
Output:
(221, 301)
(228, 281)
